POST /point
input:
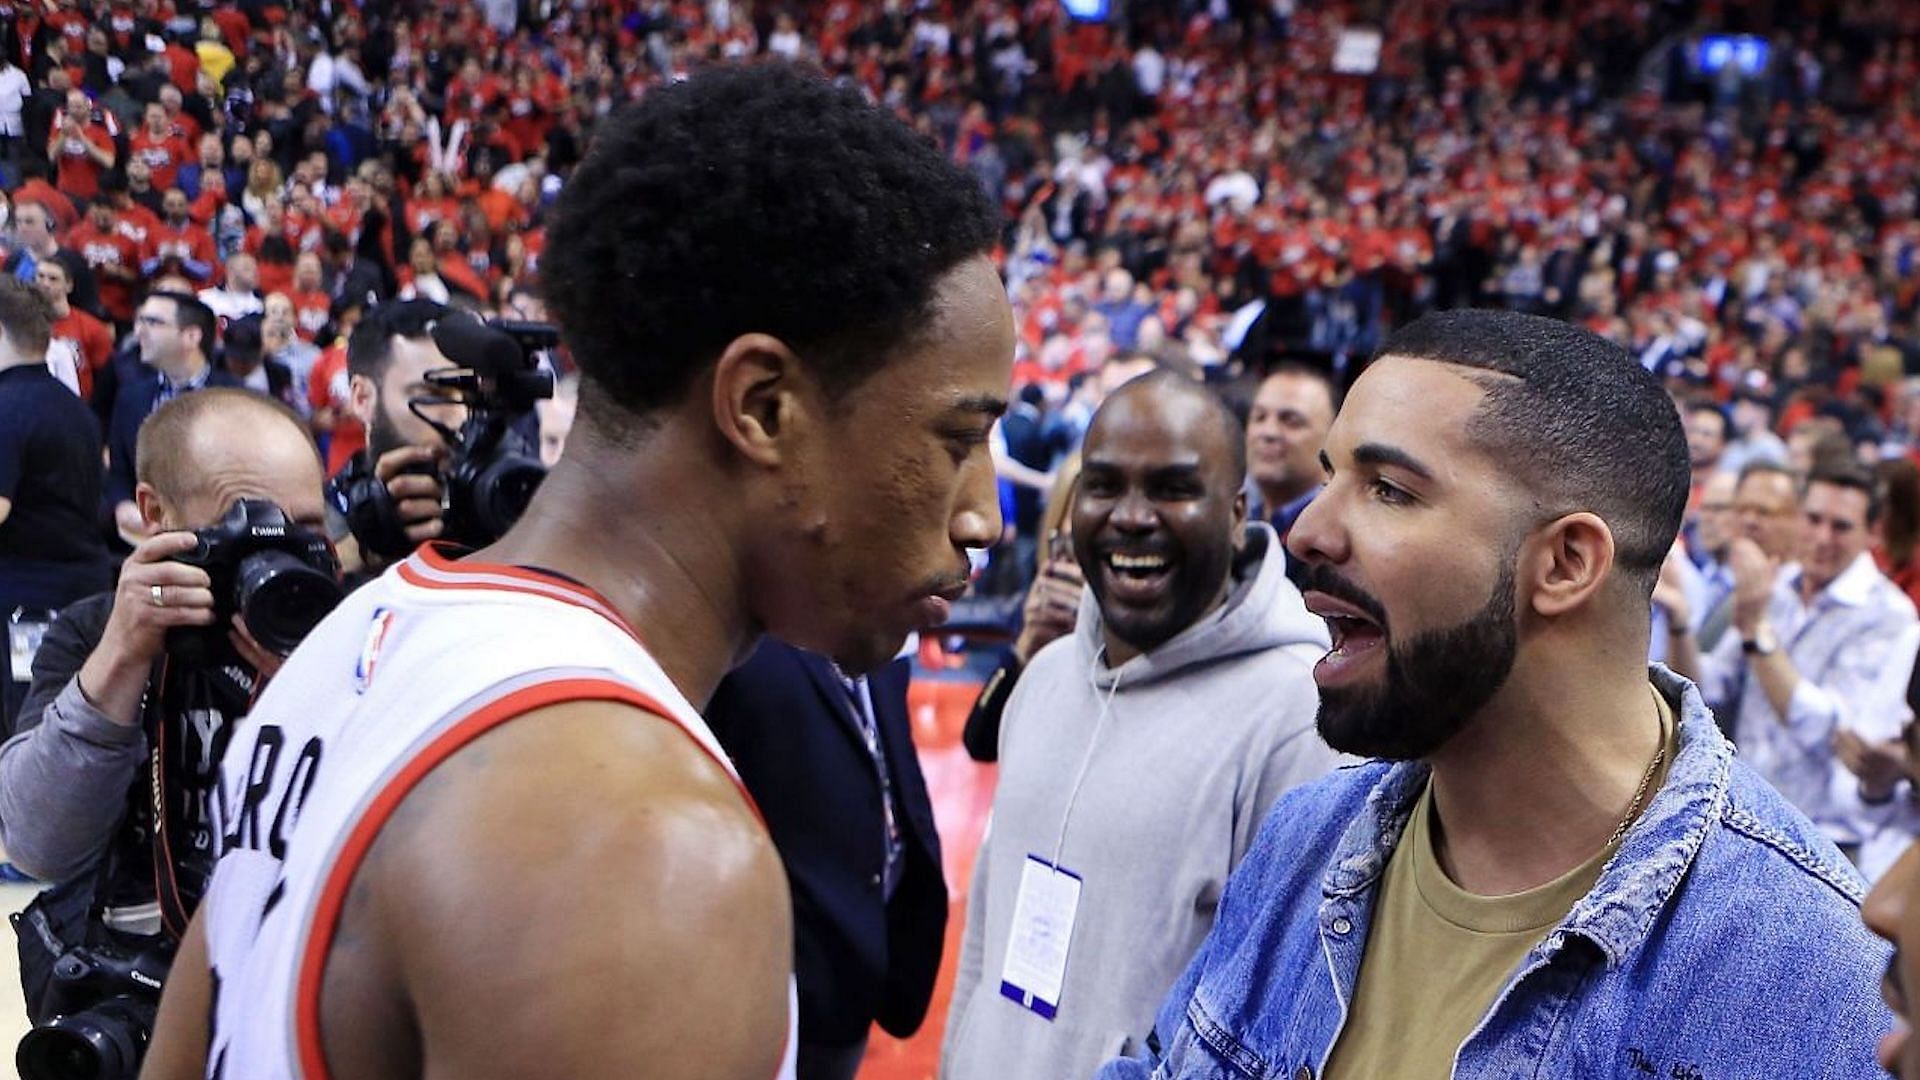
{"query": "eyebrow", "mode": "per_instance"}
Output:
(1377, 454)
(986, 404)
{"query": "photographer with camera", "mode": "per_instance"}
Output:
(234, 571)
(389, 356)
(444, 398)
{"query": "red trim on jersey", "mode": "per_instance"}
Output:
(333, 890)
(551, 586)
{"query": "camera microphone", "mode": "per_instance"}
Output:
(473, 344)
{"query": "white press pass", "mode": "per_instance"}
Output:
(1043, 914)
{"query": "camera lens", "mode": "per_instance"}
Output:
(282, 598)
(102, 1043)
(503, 489)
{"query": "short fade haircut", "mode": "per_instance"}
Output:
(160, 451)
(1853, 478)
(26, 315)
(1574, 418)
(370, 346)
(190, 314)
(751, 198)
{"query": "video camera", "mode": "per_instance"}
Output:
(280, 578)
(493, 471)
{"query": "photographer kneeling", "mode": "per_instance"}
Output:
(155, 674)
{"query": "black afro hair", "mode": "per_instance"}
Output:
(753, 198)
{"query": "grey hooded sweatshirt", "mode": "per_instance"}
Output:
(1200, 736)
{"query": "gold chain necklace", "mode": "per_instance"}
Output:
(1633, 808)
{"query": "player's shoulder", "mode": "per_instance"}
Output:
(597, 796)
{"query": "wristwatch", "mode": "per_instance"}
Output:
(1762, 643)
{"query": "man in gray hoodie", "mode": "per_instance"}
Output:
(1139, 755)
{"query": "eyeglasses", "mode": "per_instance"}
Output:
(1751, 510)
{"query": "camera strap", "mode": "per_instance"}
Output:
(166, 884)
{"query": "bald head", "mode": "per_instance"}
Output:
(1177, 399)
(200, 452)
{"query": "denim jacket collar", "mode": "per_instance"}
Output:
(1640, 878)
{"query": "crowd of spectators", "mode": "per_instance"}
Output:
(215, 194)
(1191, 180)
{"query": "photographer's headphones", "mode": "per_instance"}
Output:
(371, 512)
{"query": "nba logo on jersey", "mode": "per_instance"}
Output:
(370, 649)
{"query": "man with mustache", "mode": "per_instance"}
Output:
(1138, 755)
(1560, 857)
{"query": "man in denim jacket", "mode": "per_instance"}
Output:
(1558, 872)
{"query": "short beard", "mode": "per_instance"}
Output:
(383, 435)
(1433, 687)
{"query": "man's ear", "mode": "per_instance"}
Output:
(153, 511)
(1573, 559)
(760, 396)
(363, 397)
(1240, 520)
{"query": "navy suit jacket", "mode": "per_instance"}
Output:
(133, 402)
(785, 719)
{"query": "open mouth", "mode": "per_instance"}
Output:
(1357, 639)
(1137, 578)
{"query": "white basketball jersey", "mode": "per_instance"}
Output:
(404, 673)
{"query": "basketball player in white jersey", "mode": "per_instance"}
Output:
(476, 827)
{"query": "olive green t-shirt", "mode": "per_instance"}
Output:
(1438, 955)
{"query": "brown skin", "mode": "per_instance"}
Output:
(656, 941)
(1415, 513)
(1157, 480)
(1892, 910)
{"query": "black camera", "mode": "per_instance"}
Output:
(280, 578)
(493, 470)
(99, 1006)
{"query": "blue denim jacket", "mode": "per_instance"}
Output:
(1722, 942)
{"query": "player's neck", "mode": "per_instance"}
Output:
(664, 565)
(1539, 781)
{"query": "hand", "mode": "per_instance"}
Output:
(1053, 605)
(1754, 572)
(1670, 595)
(416, 495)
(115, 675)
(136, 630)
(1879, 764)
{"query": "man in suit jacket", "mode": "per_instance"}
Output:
(176, 337)
(831, 763)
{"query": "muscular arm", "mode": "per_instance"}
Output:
(179, 1048)
(581, 892)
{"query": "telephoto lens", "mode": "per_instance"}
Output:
(105, 1042)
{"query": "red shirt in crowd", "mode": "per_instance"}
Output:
(164, 154)
(79, 172)
(327, 388)
(188, 248)
(311, 310)
(107, 249)
(91, 342)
